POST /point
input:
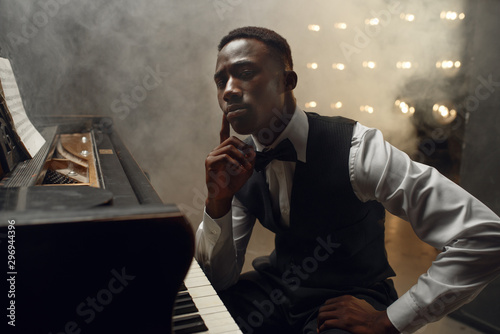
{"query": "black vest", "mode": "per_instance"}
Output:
(334, 240)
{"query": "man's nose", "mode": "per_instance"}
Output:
(232, 90)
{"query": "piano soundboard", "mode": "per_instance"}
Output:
(198, 308)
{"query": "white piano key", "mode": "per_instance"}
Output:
(210, 306)
(202, 291)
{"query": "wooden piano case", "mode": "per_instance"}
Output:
(105, 256)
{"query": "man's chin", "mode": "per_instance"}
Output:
(241, 128)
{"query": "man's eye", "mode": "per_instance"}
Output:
(220, 83)
(247, 74)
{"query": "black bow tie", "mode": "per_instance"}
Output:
(284, 151)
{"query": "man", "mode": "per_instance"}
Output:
(328, 272)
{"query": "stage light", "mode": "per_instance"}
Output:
(311, 104)
(369, 64)
(372, 22)
(448, 64)
(444, 113)
(340, 25)
(312, 65)
(338, 66)
(451, 15)
(313, 27)
(405, 107)
(336, 105)
(445, 64)
(407, 17)
(404, 65)
(367, 108)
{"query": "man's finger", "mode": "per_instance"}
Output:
(224, 131)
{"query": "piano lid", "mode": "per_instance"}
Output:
(71, 197)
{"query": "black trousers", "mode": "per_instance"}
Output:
(260, 303)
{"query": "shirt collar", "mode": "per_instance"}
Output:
(296, 131)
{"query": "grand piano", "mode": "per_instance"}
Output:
(89, 247)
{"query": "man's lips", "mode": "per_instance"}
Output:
(235, 110)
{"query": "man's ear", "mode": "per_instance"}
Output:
(290, 80)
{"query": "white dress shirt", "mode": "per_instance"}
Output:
(441, 213)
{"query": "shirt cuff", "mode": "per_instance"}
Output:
(403, 314)
(213, 227)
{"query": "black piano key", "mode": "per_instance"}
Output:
(184, 304)
(189, 324)
(183, 287)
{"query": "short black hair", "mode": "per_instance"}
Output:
(269, 37)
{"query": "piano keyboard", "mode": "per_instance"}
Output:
(215, 319)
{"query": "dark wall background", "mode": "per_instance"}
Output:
(480, 172)
(480, 169)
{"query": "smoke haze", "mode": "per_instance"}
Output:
(149, 65)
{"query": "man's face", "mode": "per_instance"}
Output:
(250, 85)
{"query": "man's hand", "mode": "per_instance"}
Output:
(354, 315)
(228, 167)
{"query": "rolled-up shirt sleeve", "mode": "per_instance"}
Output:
(221, 245)
(442, 214)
